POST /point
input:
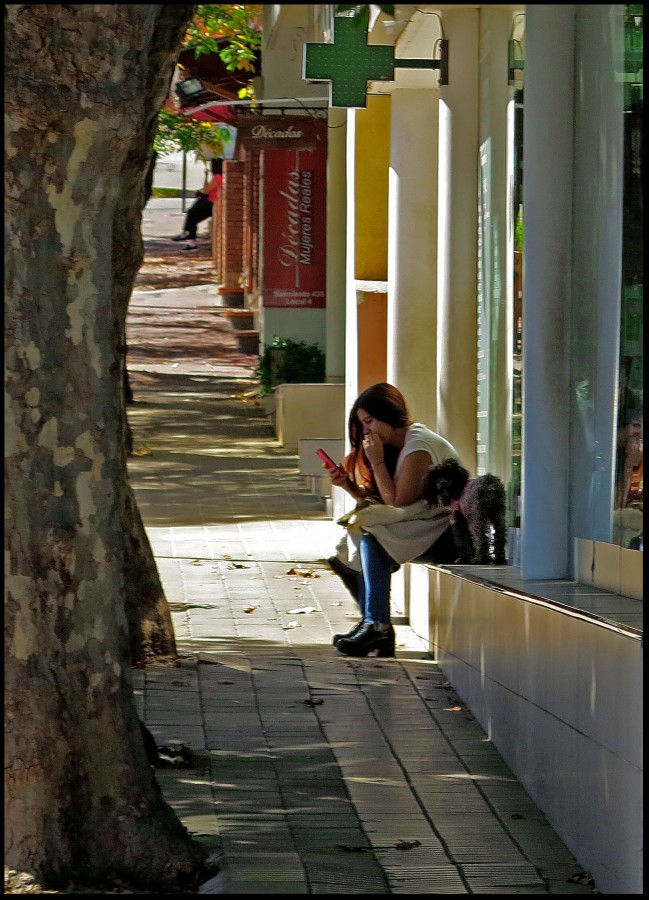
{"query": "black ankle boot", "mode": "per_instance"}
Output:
(342, 637)
(367, 640)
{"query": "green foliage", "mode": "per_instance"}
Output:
(232, 32)
(235, 22)
(286, 361)
(177, 132)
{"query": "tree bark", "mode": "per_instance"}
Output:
(82, 84)
(150, 625)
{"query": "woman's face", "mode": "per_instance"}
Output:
(370, 425)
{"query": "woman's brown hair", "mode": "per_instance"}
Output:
(386, 403)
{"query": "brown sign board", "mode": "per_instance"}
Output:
(278, 133)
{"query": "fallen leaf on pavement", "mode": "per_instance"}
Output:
(303, 573)
(236, 565)
(582, 878)
(291, 625)
(407, 845)
(250, 609)
(304, 610)
(141, 450)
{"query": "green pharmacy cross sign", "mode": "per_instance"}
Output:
(350, 62)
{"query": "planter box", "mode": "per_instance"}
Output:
(248, 341)
(309, 411)
(268, 403)
(240, 319)
(230, 297)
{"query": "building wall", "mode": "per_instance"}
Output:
(286, 29)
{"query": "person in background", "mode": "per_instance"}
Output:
(201, 208)
(380, 425)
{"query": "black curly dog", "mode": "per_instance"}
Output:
(477, 504)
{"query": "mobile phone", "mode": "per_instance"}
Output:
(327, 460)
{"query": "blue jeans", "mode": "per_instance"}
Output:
(377, 568)
(374, 581)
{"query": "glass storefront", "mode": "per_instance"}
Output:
(606, 469)
(628, 504)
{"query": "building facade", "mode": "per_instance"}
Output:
(484, 255)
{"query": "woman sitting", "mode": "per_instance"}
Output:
(380, 424)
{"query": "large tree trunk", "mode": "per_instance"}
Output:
(150, 626)
(81, 798)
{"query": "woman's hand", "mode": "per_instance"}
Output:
(373, 447)
(337, 476)
(341, 479)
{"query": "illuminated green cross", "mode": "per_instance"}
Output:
(350, 62)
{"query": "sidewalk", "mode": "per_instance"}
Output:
(312, 772)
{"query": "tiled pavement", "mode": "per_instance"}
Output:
(314, 773)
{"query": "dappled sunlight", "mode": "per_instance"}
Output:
(472, 777)
(385, 782)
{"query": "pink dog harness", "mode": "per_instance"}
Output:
(456, 505)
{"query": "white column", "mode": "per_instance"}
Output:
(547, 211)
(336, 231)
(351, 324)
(412, 250)
(458, 228)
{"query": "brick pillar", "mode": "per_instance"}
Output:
(247, 223)
(217, 233)
(255, 225)
(232, 232)
(251, 226)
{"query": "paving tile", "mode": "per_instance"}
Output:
(326, 774)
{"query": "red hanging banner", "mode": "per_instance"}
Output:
(295, 226)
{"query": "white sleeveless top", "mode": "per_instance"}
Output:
(418, 437)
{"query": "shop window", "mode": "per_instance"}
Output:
(628, 503)
(516, 81)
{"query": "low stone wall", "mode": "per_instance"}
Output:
(559, 693)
